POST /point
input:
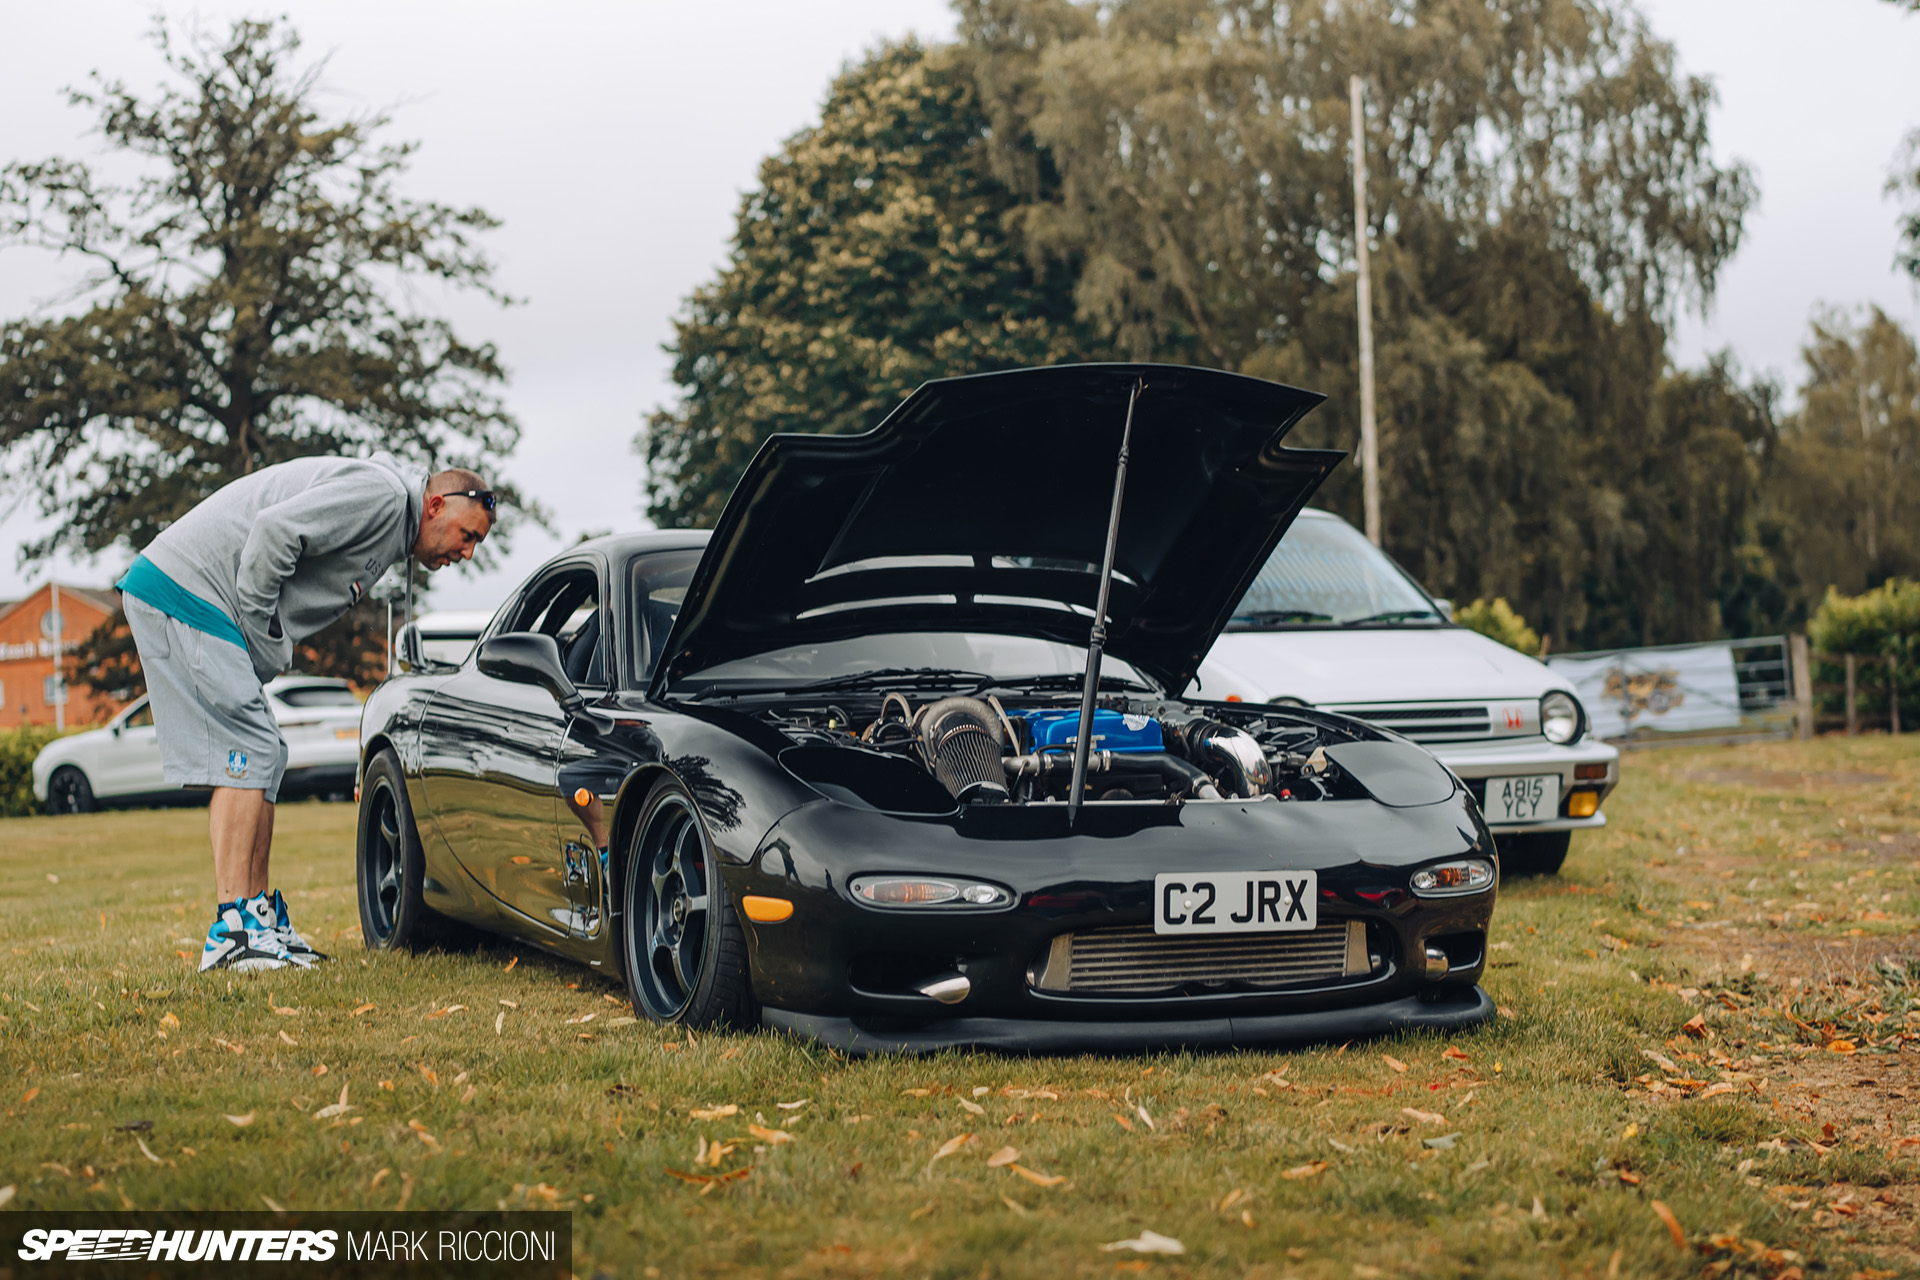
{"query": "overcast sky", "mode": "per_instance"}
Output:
(615, 139)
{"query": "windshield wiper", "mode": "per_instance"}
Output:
(889, 677)
(1391, 615)
(1062, 680)
(1276, 617)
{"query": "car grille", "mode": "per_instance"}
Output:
(1135, 960)
(1428, 723)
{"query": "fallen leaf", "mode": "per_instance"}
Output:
(1631, 1179)
(1666, 1064)
(146, 1150)
(1456, 1054)
(1146, 1242)
(1124, 1122)
(1715, 1090)
(499, 1021)
(1246, 1218)
(365, 1008)
(1299, 1171)
(1442, 1143)
(710, 1179)
(29, 1095)
(915, 1093)
(1673, 1225)
(1231, 1199)
(1037, 1178)
(289, 1039)
(971, 1107)
(6, 1194)
(1426, 1117)
(339, 1108)
(951, 1145)
(714, 1113)
(1009, 1201)
(793, 1106)
(241, 1122)
(1696, 1026)
(1629, 1131)
(509, 965)
(511, 1004)
(170, 1022)
(1841, 1046)
(1393, 1062)
(1142, 1113)
(1005, 1155)
(772, 1136)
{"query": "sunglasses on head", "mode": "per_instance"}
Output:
(484, 497)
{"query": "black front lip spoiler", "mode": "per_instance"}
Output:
(1455, 1010)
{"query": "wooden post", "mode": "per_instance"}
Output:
(1853, 712)
(1802, 686)
(1893, 693)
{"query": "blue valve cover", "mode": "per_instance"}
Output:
(1112, 731)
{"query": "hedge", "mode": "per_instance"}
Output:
(1883, 623)
(18, 747)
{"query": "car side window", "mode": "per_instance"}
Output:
(566, 606)
(140, 719)
(656, 586)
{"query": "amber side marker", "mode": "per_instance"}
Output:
(1583, 804)
(765, 910)
(583, 797)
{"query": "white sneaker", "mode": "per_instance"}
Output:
(232, 945)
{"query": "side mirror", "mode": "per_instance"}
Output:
(409, 650)
(1445, 607)
(116, 730)
(528, 657)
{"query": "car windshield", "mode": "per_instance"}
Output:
(1325, 573)
(903, 654)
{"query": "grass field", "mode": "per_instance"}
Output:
(1716, 1010)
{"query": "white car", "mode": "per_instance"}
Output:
(120, 763)
(448, 635)
(1332, 623)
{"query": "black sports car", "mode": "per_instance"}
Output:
(817, 770)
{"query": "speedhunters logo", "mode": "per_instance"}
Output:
(109, 1244)
(308, 1244)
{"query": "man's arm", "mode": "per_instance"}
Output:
(333, 514)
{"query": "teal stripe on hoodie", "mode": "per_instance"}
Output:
(144, 581)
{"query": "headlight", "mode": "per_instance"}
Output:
(1560, 717)
(927, 891)
(1448, 878)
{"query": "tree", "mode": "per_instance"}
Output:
(239, 308)
(873, 256)
(1849, 480)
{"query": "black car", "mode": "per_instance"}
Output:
(813, 771)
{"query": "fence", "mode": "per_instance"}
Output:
(1725, 691)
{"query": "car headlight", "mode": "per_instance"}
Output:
(1446, 879)
(1560, 717)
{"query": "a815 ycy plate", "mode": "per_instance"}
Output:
(1235, 902)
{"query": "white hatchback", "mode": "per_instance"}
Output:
(119, 764)
(1331, 622)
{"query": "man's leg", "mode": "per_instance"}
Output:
(241, 824)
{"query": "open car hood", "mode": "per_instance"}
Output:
(981, 504)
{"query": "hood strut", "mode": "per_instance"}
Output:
(1097, 641)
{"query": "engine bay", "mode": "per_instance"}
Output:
(981, 750)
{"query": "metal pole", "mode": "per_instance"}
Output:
(1097, 641)
(1369, 437)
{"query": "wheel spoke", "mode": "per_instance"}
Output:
(681, 967)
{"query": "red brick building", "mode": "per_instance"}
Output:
(33, 638)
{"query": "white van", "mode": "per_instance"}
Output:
(1331, 622)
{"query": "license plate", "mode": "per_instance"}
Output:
(1235, 902)
(1523, 799)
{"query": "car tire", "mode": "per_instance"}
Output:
(391, 865)
(683, 952)
(1534, 855)
(69, 791)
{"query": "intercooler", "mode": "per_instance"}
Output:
(1133, 960)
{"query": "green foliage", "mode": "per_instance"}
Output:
(1496, 620)
(1884, 622)
(18, 748)
(238, 311)
(872, 257)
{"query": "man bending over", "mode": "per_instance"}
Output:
(216, 604)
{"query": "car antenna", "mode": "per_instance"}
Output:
(1097, 641)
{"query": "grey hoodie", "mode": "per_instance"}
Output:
(286, 550)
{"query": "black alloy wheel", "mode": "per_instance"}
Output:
(1536, 854)
(682, 946)
(68, 791)
(391, 864)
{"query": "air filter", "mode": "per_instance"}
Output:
(961, 740)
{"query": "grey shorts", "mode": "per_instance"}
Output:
(209, 712)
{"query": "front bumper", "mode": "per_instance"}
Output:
(1475, 762)
(1447, 1009)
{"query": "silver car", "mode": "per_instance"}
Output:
(1331, 622)
(119, 764)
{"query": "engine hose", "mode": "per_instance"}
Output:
(1177, 774)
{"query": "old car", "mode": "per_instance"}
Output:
(1332, 622)
(119, 763)
(815, 771)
